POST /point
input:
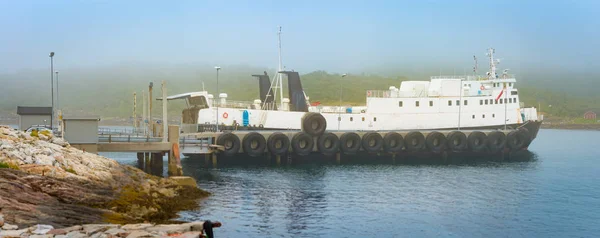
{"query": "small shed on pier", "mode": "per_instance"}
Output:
(30, 116)
(81, 132)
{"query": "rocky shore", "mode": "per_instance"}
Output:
(187, 230)
(43, 180)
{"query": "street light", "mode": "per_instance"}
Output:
(57, 98)
(340, 109)
(52, 88)
(217, 105)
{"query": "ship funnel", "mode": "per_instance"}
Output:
(264, 86)
(297, 98)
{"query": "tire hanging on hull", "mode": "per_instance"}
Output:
(435, 142)
(254, 144)
(350, 143)
(516, 140)
(477, 141)
(372, 142)
(496, 141)
(457, 141)
(314, 124)
(278, 143)
(230, 142)
(393, 142)
(328, 144)
(414, 141)
(302, 143)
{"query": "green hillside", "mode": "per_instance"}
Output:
(108, 92)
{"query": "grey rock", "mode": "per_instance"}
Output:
(60, 236)
(99, 235)
(7, 226)
(94, 228)
(170, 229)
(57, 232)
(115, 231)
(41, 236)
(1, 220)
(72, 228)
(196, 226)
(59, 141)
(76, 234)
(136, 234)
(139, 226)
(191, 234)
(13, 233)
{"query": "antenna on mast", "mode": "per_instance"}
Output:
(475, 67)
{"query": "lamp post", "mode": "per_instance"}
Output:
(57, 98)
(217, 105)
(52, 88)
(341, 93)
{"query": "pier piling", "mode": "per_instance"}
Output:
(174, 161)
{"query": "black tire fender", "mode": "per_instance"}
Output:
(278, 143)
(526, 135)
(231, 143)
(372, 142)
(414, 141)
(302, 143)
(393, 142)
(314, 124)
(477, 141)
(516, 140)
(328, 144)
(435, 142)
(457, 141)
(496, 141)
(350, 143)
(254, 144)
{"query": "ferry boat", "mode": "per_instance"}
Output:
(465, 102)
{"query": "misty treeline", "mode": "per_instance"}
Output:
(108, 91)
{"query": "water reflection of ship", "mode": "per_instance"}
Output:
(307, 200)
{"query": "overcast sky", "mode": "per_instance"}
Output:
(317, 35)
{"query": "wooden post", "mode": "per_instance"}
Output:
(214, 159)
(140, 160)
(157, 164)
(207, 159)
(393, 158)
(338, 158)
(147, 162)
(175, 168)
(278, 160)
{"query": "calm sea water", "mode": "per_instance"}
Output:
(554, 194)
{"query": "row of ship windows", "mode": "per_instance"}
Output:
(466, 103)
(375, 118)
(352, 119)
(483, 116)
(498, 85)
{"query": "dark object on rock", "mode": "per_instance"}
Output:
(208, 228)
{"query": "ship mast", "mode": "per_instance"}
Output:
(493, 63)
(279, 76)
